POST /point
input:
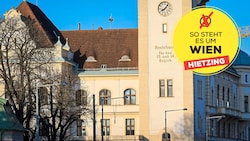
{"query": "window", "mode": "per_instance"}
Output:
(44, 127)
(218, 131)
(79, 127)
(43, 95)
(84, 128)
(125, 58)
(246, 79)
(246, 104)
(169, 87)
(223, 129)
(105, 97)
(162, 88)
(130, 96)
(199, 89)
(199, 122)
(81, 97)
(211, 127)
(91, 59)
(223, 93)
(106, 127)
(164, 28)
(218, 94)
(103, 66)
(130, 126)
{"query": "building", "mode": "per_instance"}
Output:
(10, 127)
(139, 84)
(223, 111)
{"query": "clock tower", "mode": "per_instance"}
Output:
(166, 90)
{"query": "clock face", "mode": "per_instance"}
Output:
(165, 8)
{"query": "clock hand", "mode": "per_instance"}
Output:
(164, 8)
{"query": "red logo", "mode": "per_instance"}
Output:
(205, 21)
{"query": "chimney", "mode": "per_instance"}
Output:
(79, 26)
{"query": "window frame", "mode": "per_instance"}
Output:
(81, 97)
(106, 127)
(170, 92)
(162, 88)
(199, 89)
(130, 97)
(79, 127)
(43, 96)
(130, 128)
(106, 98)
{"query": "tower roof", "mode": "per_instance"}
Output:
(243, 59)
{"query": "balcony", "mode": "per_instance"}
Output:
(224, 108)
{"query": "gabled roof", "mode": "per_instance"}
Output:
(49, 32)
(8, 120)
(114, 47)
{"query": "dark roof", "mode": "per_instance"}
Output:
(243, 59)
(106, 46)
(8, 120)
(49, 32)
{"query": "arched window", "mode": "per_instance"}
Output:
(81, 97)
(43, 95)
(105, 96)
(130, 96)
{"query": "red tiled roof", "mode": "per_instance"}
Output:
(48, 31)
(106, 46)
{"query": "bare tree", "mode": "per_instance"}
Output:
(60, 111)
(26, 62)
(20, 60)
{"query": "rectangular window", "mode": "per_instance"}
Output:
(162, 88)
(130, 126)
(169, 87)
(84, 128)
(246, 104)
(44, 96)
(106, 127)
(164, 28)
(79, 127)
(218, 95)
(199, 89)
(43, 127)
(199, 122)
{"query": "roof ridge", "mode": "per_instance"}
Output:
(49, 31)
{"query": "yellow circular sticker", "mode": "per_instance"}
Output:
(206, 41)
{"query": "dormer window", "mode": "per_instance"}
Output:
(125, 58)
(103, 66)
(91, 59)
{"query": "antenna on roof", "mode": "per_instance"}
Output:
(111, 20)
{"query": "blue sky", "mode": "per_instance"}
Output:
(239, 10)
(94, 13)
(90, 13)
